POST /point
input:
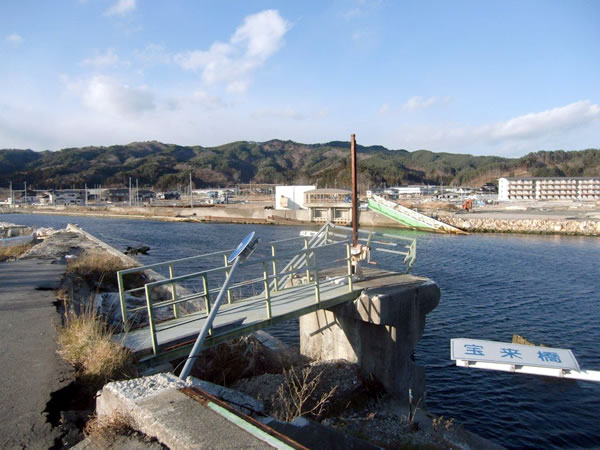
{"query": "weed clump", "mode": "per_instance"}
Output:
(98, 269)
(13, 251)
(86, 342)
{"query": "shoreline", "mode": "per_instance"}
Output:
(569, 223)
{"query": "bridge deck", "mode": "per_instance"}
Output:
(239, 318)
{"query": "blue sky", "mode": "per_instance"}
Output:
(481, 77)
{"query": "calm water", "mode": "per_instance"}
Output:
(546, 288)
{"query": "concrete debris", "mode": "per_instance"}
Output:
(156, 407)
(246, 404)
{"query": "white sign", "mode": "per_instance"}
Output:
(506, 353)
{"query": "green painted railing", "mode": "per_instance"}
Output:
(280, 271)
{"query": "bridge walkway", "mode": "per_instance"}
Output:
(237, 319)
(282, 284)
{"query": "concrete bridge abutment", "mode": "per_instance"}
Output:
(379, 330)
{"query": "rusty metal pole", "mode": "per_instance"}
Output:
(354, 192)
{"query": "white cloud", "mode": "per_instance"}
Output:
(252, 43)
(153, 54)
(562, 118)
(107, 96)
(207, 101)
(110, 58)
(418, 102)
(528, 132)
(121, 7)
(14, 38)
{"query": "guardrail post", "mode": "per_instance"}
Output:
(122, 296)
(173, 292)
(413, 252)
(317, 290)
(349, 259)
(227, 272)
(275, 268)
(307, 260)
(206, 297)
(267, 292)
(151, 321)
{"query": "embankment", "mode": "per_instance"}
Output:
(540, 225)
(476, 222)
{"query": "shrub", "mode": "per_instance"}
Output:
(295, 396)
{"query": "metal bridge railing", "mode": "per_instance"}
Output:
(309, 272)
(330, 247)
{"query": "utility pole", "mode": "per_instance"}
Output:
(25, 183)
(86, 203)
(12, 201)
(137, 192)
(354, 191)
(130, 192)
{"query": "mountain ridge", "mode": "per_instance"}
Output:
(276, 161)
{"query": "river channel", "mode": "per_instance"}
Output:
(546, 288)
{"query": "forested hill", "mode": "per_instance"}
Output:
(166, 165)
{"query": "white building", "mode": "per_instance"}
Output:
(290, 197)
(548, 188)
(329, 205)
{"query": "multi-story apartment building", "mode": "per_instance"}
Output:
(549, 188)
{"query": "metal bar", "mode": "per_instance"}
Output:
(174, 261)
(187, 298)
(229, 300)
(317, 289)
(134, 290)
(307, 261)
(275, 268)
(396, 252)
(206, 298)
(151, 321)
(349, 264)
(285, 240)
(267, 292)
(354, 190)
(122, 297)
(207, 325)
(186, 277)
(173, 292)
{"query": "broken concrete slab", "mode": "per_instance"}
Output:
(157, 407)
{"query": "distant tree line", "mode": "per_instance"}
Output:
(166, 166)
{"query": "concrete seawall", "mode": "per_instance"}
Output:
(483, 222)
(525, 225)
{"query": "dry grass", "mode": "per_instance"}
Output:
(295, 396)
(13, 251)
(98, 268)
(86, 342)
(103, 430)
(440, 424)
